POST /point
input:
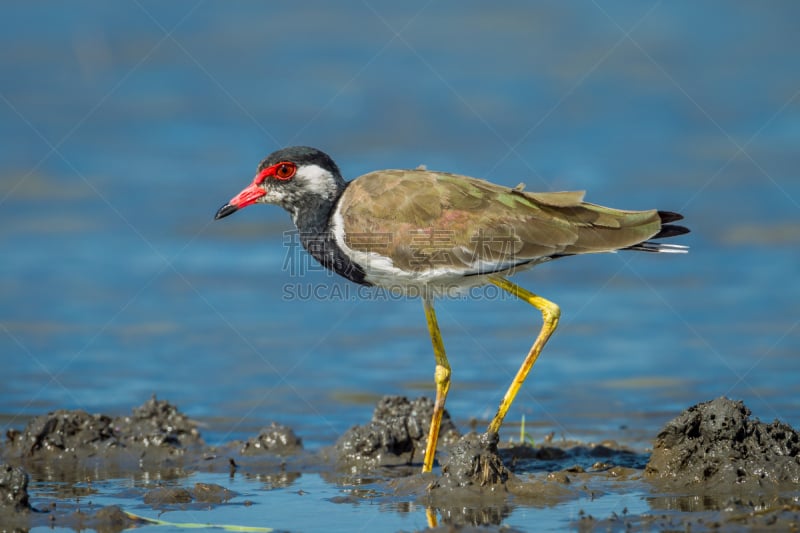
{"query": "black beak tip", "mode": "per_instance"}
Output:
(225, 210)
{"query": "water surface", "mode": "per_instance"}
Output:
(125, 126)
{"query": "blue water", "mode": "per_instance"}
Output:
(125, 126)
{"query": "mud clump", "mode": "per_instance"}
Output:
(167, 496)
(15, 508)
(112, 518)
(13, 489)
(64, 444)
(79, 434)
(396, 435)
(716, 445)
(64, 431)
(157, 423)
(474, 461)
(164, 497)
(212, 493)
(472, 488)
(275, 439)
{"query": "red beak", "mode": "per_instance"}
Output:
(249, 195)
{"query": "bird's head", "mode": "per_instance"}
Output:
(295, 178)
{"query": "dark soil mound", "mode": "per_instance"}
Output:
(157, 423)
(474, 461)
(396, 435)
(14, 488)
(275, 439)
(79, 434)
(64, 432)
(717, 445)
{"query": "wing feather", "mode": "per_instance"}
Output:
(429, 220)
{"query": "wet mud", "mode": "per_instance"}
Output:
(396, 436)
(715, 445)
(713, 466)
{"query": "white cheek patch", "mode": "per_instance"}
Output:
(273, 196)
(316, 180)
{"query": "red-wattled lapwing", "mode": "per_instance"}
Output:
(426, 234)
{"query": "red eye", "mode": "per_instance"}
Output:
(285, 170)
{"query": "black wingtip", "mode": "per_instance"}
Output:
(225, 210)
(669, 216)
(670, 230)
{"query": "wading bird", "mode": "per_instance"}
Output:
(428, 234)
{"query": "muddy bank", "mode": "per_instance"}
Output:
(713, 465)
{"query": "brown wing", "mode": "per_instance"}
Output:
(423, 220)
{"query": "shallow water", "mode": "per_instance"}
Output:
(124, 128)
(288, 509)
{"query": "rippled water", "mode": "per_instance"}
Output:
(125, 126)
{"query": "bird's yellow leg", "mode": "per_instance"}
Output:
(442, 378)
(430, 514)
(550, 315)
